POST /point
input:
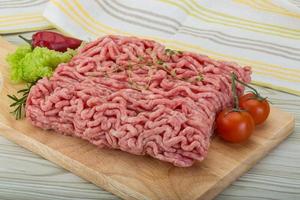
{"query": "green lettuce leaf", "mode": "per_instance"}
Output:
(14, 62)
(30, 65)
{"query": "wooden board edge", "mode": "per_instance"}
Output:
(249, 163)
(73, 166)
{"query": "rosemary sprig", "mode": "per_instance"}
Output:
(19, 103)
(171, 52)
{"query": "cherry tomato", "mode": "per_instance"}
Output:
(234, 126)
(258, 108)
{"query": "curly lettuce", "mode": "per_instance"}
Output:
(29, 65)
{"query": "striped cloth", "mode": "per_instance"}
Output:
(264, 34)
(291, 5)
(22, 15)
(257, 33)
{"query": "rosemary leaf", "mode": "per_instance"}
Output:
(199, 78)
(13, 97)
(22, 91)
(160, 62)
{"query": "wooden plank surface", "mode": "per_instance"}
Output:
(224, 195)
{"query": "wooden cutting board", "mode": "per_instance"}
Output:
(141, 177)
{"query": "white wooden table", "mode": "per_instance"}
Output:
(26, 176)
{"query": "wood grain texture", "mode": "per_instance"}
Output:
(259, 178)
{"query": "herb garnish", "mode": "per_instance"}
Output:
(171, 52)
(141, 58)
(160, 62)
(199, 77)
(19, 103)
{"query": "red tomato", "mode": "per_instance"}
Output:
(234, 126)
(258, 108)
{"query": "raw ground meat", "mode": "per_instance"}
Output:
(134, 95)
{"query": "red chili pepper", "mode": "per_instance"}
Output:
(54, 41)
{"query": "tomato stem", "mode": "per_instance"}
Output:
(248, 86)
(233, 88)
